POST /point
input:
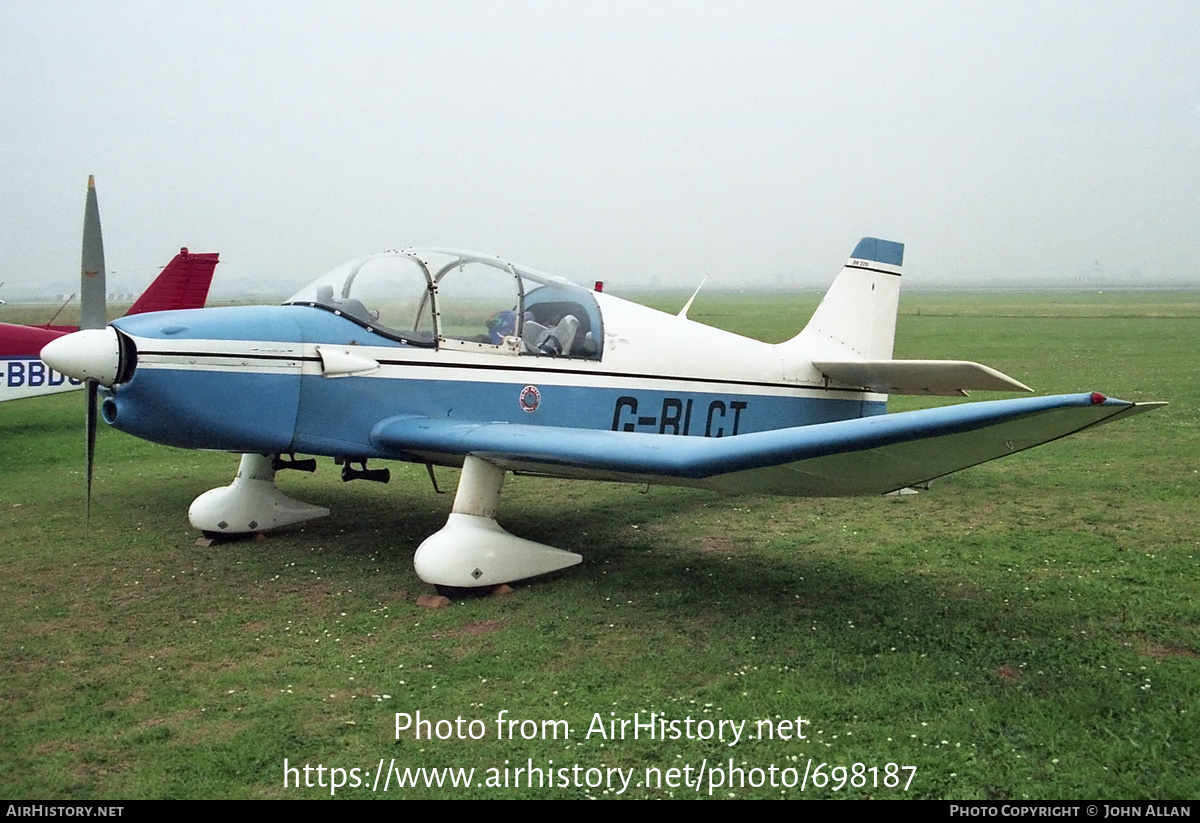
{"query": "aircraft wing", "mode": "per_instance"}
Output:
(868, 455)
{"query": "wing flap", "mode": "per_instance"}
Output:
(947, 378)
(864, 456)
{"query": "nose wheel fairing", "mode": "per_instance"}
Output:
(251, 503)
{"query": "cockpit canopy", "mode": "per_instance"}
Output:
(459, 300)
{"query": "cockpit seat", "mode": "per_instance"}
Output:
(355, 308)
(556, 341)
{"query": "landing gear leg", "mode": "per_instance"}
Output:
(471, 550)
(251, 503)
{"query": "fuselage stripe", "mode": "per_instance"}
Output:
(857, 267)
(525, 370)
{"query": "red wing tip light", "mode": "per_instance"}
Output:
(1097, 398)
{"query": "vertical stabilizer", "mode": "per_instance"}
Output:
(91, 277)
(183, 284)
(857, 317)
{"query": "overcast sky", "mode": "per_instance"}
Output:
(627, 141)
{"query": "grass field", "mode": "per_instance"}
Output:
(1025, 629)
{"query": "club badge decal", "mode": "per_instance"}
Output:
(530, 398)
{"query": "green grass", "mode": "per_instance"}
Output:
(1028, 628)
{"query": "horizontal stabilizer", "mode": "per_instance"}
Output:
(868, 455)
(941, 377)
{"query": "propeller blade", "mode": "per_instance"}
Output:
(91, 274)
(93, 389)
(91, 316)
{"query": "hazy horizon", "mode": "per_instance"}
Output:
(635, 143)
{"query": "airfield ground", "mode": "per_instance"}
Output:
(1026, 629)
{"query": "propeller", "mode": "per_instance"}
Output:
(92, 315)
(92, 391)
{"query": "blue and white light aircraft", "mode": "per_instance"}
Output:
(458, 359)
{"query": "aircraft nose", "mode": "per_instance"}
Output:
(93, 354)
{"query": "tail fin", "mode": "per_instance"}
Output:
(848, 342)
(857, 318)
(183, 284)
